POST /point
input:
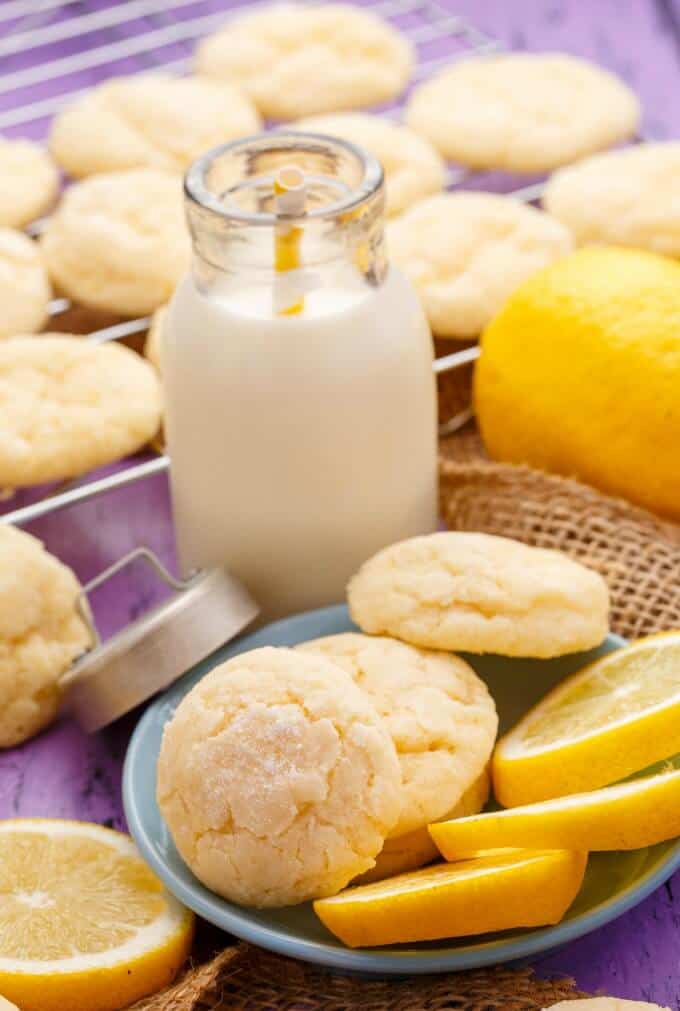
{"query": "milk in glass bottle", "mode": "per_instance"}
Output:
(297, 363)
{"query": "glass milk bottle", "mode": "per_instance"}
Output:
(297, 363)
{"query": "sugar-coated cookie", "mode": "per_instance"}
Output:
(625, 198)
(413, 169)
(277, 778)
(153, 120)
(298, 59)
(29, 182)
(24, 284)
(482, 594)
(466, 252)
(118, 241)
(523, 112)
(41, 634)
(152, 344)
(439, 713)
(68, 405)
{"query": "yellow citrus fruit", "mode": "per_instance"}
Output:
(616, 716)
(415, 849)
(84, 924)
(627, 816)
(516, 888)
(580, 375)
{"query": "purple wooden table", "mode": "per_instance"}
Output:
(65, 774)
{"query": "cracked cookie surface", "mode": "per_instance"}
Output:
(153, 120)
(624, 198)
(298, 60)
(41, 634)
(466, 252)
(481, 594)
(413, 168)
(68, 405)
(24, 285)
(439, 713)
(523, 112)
(278, 779)
(118, 241)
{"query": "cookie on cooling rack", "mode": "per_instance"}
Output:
(466, 252)
(24, 285)
(29, 182)
(413, 168)
(118, 241)
(297, 60)
(624, 198)
(68, 405)
(439, 713)
(277, 778)
(153, 120)
(481, 594)
(523, 112)
(41, 634)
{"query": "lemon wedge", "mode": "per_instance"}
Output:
(517, 888)
(618, 715)
(628, 816)
(84, 924)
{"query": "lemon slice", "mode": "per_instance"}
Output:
(84, 924)
(517, 888)
(615, 717)
(628, 816)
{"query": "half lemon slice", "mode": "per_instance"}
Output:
(628, 816)
(84, 924)
(615, 717)
(499, 891)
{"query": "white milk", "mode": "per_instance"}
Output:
(299, 444)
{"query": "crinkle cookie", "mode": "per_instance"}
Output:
(24, 286)
(466, 252)
(439, 713)
(480, 594)
(29, 182)
(152, 344)
(624, 198)
(523, 112)
(277, 779)
(118, 241)
(297, 60)
(41, 634)
(153, 120)
(413, 169)
(68, 405)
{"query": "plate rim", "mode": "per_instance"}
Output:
(232, 919)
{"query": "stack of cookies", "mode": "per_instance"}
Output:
(287, 773)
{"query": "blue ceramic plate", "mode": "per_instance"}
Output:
(614, 881)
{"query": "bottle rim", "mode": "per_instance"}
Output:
(198, 192)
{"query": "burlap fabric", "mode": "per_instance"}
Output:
(637, 553)
(639, 556)
(244, 978)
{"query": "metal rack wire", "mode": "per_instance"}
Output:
(133, 36)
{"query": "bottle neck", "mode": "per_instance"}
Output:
(288, 214)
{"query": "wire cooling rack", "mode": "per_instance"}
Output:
(52, 51)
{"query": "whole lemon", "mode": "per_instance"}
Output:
(579, 374)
